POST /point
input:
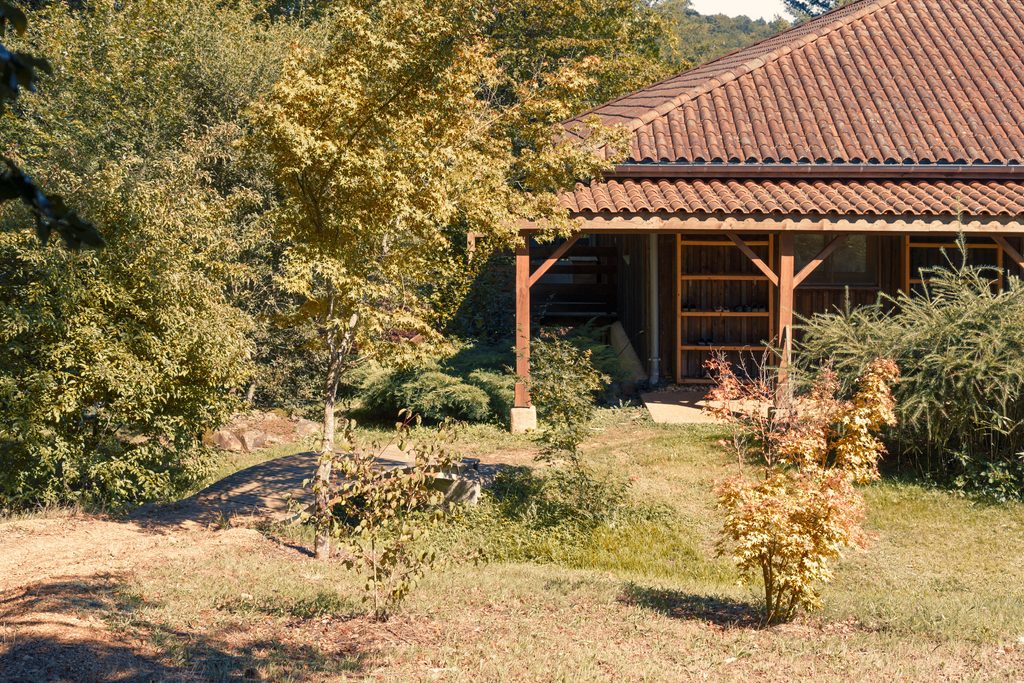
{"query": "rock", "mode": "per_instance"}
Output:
(461, 490)
(226, 441)
(253, 440)
(306, 428)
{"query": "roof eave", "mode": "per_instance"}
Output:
(819, 171)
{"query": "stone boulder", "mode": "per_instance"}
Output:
(225, 440)
(257, 429)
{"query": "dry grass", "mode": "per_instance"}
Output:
(938, 596)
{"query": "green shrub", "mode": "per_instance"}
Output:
(960, 346)
(564, 384)
(552, 515)
(473, 385)
(475, 382)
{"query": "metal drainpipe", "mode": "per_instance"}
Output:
(654, 359)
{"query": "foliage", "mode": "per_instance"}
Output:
(467, 380)
(789, 525)
(115, 361)
(610, 46)
(563, 384)
(21, 70)
(472, 384)
(382, 515)
(544, 515)
(381, 144)
(436, 396)
(787, 528)
(960, 346)
(806, 9)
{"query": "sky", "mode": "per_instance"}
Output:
(755, 9)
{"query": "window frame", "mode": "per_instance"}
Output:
(825, 276)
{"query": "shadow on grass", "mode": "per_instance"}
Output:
(89, 630)
(679, 605)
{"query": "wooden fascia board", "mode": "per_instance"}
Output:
(647, 223)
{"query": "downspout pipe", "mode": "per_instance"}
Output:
(653, 334)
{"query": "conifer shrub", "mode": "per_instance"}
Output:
(474, 382)
(960, 401)
(473, 385)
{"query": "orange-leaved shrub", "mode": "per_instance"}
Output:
(789, 524)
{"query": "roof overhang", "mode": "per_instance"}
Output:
(669, 223)
(822, 171)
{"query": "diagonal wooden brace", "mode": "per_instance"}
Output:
(553, 259)
(1008, 248)
(813, 264)
(757, 260)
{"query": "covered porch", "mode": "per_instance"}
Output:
(690, 285)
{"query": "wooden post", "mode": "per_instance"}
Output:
(522, 391)
(786, 286)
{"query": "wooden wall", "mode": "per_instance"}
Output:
(630, 291)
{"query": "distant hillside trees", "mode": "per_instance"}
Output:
(699, 37)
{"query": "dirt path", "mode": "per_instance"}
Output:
(55, 570)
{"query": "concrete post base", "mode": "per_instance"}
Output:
(523, 420)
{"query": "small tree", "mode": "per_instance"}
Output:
(386, 156)
(788, 526)
(381, 514)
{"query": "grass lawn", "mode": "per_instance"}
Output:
(939, 594)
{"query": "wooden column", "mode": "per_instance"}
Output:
(522, 391)
(786, 287)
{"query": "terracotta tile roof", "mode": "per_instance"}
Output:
(878, 81)
(869, 198)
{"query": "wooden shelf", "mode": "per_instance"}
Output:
(726, 290)
(721, 278)
(724, 314)
(722, 347)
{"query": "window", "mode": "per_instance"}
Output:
(853, 263)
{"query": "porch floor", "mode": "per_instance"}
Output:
(678, 406)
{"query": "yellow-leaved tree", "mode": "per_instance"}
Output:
(787, 526)
(387, 152)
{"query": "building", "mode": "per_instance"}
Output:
(839, 156)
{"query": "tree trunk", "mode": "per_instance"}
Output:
(339, 345)
(322, 485)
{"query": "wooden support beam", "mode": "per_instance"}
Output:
(786, 287)
(553, 259)
(757, 260)
(522, 390)
(813, 264)
(1008, 248)
(906, 264)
